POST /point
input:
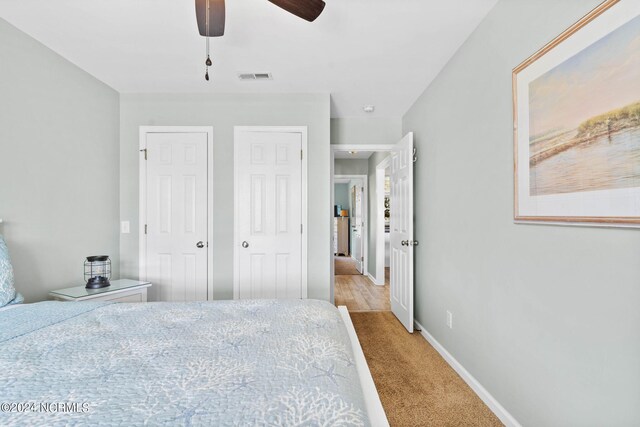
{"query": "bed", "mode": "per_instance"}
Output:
(224, 363)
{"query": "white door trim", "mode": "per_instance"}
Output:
(333, 149)
(142, 197)
(365, 217)
(302, 130)
(379, 203)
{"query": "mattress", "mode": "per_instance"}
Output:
(223, 363)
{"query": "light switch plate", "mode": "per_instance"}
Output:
(125, 227)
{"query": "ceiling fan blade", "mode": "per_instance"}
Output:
(308, 10)
(216, 17)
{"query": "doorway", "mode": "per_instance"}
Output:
(383, 223)
(354, 281)
(392, 291)
(350, 244)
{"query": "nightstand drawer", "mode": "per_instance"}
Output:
(139, 296)
(119, 291)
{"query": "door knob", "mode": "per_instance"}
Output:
(404, 243)
(413, 243)
(245, 244)
(200, 244)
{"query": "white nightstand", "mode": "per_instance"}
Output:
(124, 290)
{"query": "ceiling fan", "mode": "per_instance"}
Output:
(210, 15)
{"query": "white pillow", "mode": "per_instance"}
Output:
(7, 289)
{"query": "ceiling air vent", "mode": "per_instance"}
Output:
(255, 76)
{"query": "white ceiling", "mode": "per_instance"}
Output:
(380, 52)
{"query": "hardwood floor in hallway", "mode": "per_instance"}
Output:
(359, 293)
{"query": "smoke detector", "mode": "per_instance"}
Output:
(369, 108)
(255, 76)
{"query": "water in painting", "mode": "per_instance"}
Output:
(584, 118)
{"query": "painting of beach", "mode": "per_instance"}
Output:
(584, 118)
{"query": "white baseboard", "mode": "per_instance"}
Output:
(482, 392)
(373, 279)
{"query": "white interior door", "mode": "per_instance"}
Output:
(176, 215)
(357, 255)
(268, 206)
(401, 238)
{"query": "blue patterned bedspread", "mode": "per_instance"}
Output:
(224, 363)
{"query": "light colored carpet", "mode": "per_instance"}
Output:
(416, 386)
(345, 266)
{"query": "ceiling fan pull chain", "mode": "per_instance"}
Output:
(208, 61)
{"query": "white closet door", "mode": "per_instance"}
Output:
(176, 206)
(401, 238)
(268, 192)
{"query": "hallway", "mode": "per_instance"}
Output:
(358, 292)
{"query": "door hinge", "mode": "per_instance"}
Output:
(145, 229)
(145, 153)
(301, 154)
(300, 228)
(362, 259)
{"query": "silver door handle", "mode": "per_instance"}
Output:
(413, 243)
(404, 243)
(245, 244)
(200, 244)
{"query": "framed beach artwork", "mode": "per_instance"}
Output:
(576, 107)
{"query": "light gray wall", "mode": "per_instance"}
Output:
(350, 167)
(374, 161)
(58, 165)
(223, 112)
(545, 317)
(342, 196)
(365, 130)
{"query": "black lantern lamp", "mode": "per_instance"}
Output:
(97, 271)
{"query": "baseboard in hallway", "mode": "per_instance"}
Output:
(475, 385)
(417, 386)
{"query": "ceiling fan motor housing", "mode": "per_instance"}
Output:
(215, 15)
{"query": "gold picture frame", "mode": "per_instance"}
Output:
(557, 135)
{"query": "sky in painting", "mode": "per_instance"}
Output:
(602, 77)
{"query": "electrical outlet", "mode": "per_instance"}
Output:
(125, 227)
(449, 319)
